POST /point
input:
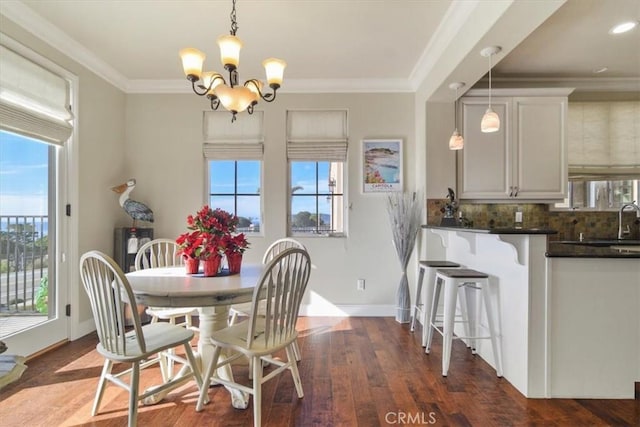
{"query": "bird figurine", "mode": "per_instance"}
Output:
(136, 210)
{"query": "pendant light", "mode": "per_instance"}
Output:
(490, 120)
(456, 142)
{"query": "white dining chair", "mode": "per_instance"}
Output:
(109, 291)
(282, 286)
(274, 249)
(164, 253)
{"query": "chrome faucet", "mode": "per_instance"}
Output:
(623, 233)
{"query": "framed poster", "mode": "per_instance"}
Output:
(382, 165)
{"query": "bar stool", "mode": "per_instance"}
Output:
(421, 308)
(453, 281)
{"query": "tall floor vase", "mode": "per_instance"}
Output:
(403, 300)
(405, 212)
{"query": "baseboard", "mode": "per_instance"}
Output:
(332, 310)
(83, 329)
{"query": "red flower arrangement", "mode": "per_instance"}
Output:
(211, 237)
(215, 221)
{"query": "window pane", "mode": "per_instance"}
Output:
(222, 175)
(222, 202)
(235, 187)
(249, 213)
(303, 177)
(601, 195)
(317, 202)
(323, 177)
(303, 214)
(249, 177)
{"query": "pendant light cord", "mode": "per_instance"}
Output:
(490, 66)
(455, 110)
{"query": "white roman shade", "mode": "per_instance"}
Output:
(604, 139)
(317, 135)
(34, 101)
(241, 140)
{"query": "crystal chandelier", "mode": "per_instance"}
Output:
(231, 95)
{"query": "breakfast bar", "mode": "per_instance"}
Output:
(558, 303)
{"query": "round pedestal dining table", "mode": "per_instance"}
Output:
(212, 296)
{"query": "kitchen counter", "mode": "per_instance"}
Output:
(493, 230)
(553, 298)
(578, 250)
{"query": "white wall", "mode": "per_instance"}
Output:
(163, 152)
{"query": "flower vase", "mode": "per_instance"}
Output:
(212, 266)
(192, 265)
(234, 260)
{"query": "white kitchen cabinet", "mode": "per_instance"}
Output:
(527, 158)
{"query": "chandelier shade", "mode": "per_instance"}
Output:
(490, 121)
(233, 96)
(192, 61)
(229, 51)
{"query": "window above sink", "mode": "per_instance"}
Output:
(600, 194)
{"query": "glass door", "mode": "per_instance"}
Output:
(33, 286)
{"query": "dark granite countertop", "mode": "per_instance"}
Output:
(575, 250)
(494, 230)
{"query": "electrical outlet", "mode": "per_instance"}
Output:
(518, 216)
(360, 284)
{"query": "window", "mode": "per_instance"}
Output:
(601, 194)
(234, 155)
(36, 152)
(234, 186)
(317, 152)
(316, 197)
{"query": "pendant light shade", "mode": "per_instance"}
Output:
(456, 142)
(490, 121)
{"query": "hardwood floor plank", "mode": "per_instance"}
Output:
(355, 372)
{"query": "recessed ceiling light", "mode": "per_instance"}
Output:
(600, 70)
(624, 27)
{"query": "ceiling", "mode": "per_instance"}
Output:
(341, 45)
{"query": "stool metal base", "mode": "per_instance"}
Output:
(421, 308)
(454, 281)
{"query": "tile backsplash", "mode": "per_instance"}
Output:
(569, 224)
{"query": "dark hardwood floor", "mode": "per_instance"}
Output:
(355, 371)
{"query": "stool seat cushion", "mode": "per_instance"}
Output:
(462, 273)
(436, 264)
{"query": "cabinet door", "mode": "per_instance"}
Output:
(540, 163)
(484, 165)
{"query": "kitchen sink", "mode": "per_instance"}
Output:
(603, 242)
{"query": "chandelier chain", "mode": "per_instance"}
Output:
(234, 23)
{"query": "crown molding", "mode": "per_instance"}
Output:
(580, 84)
(291, 86)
